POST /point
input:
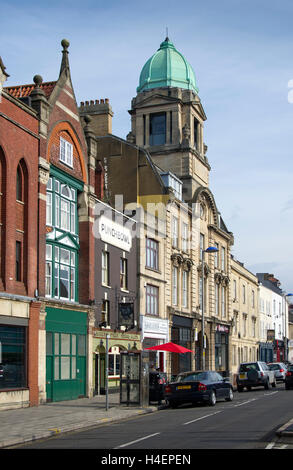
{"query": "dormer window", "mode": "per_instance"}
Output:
(66, 152)
(171, 181)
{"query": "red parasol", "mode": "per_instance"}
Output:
(172, 347)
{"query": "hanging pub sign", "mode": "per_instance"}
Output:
(126, 314)
(270, 335)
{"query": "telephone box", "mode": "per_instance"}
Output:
(134, 378)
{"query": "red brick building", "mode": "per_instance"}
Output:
(51, 226)
(19, 307)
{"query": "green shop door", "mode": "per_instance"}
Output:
(49, 375)
(66, 355)
(81, 366)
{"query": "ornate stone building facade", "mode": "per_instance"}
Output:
(167, 121)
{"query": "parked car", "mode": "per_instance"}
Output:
(279, 369)
(157, 382)
(198, 386)
(255, 374)
(289, 377)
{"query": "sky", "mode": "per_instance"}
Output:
(242, 55)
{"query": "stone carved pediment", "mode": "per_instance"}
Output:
(187, 264)
(222, 279)
(177, 259)
(207, 269)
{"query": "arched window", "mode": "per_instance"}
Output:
(21, 223)
(19, 184)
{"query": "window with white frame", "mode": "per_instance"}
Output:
(216, 255)
(234, 290)
(174, 285)
(223, 260)
(114, 361)
(223, 301)
(201, 244)
(152, 300)
(105, 268)
(217, 290)
(61, 206)
(123, 274)
(185, 289)
(61, 269)
(244, 324)
(175, 232)
(66, 152)
(105, 311)
(152, 254)
(185, 237)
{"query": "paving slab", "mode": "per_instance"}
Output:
(22, 425)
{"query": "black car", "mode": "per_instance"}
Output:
(198, 386)
(157, 382)
(289, 377)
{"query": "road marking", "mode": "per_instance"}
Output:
(137, 440)
(202, 417)
(272, 445)
(269, 394)
(245, 402)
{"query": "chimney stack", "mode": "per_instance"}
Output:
(101, 113)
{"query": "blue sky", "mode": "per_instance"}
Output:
(242, 55)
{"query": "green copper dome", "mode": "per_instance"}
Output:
(167, 67)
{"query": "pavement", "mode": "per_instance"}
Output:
(23, 425)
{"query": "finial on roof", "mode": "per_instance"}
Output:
(65, 62)
(65, 44)
(38, 80)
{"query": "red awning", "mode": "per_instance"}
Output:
(171, 347)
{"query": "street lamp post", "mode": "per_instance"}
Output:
(210, 249)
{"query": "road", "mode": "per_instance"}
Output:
(248, 422)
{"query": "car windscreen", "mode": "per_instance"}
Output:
(290, 368)
(248, 366)
(274, 366)
(192, 377)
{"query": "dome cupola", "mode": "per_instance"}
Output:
(167, 67)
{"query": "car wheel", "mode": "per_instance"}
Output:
(230, 396)
(239, 388)
(212, 399)
(274, 384)
(267, 385)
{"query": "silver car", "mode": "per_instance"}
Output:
(279, 369)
